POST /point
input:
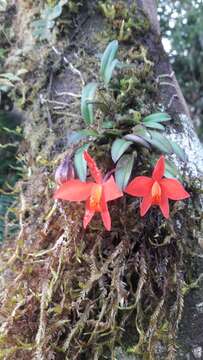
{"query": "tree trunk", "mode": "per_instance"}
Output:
(70, 294)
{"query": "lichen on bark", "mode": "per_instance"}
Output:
(70, 294)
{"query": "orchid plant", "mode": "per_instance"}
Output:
(155, 190)
(146, 132)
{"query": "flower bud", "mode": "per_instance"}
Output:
(64, 171)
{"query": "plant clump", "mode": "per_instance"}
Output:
(70, 293)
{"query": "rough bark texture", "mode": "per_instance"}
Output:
(191, 327)
(150, 8)
(39, 231)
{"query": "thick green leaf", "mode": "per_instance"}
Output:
(88, 132)
(123, 170)
(80, 163)
(108, 124)
(157, 117)
(3, 5)
(154, 138)
(140, 136)
(108, 56)
(154, 125)
(140, 131)
(178, 151)
(118, 148)
(88, 96)
(159, 141)
(138, 140)
(109, 71)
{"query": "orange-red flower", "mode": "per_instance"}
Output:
(96, 194)
(156, 190)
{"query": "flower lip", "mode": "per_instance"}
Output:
(156, 193)
(95, 197)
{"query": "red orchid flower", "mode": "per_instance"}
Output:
(96, 194)
(156, 190)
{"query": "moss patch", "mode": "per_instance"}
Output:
(72, 294)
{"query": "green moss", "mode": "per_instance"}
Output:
(124, 22)
(79, 294)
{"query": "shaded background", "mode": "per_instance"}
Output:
(182, 30)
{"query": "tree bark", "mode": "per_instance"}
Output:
(52, 244)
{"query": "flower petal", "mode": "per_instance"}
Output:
(105, 214)
(164, 206)
(111, 190)
(145, 204)
(159, 169)
(74, 190)
(173, 189)
(95, 172)
(88, 217)
(139, 186)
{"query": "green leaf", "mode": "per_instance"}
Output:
(6, 81)
(109, 71)
(80, 163)
(42, 27)
(140, 131)
(159, 141)
(74, 137)
(108, 56)
(10, 77)
(119, 146)
(178, 151)
(113, 132)
(5, 84)
(51, 13)
(2, 53)
(154, 125)
(157, 117)
(138, 140)
(123, 170)
(88, 132)
(108, 124)
(154, 138)
(3, 5)
(88, 95)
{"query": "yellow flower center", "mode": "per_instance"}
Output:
(156, 193)
(95, 197)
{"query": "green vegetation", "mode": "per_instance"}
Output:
(11, 170)
(181, 24)
(72, 294)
